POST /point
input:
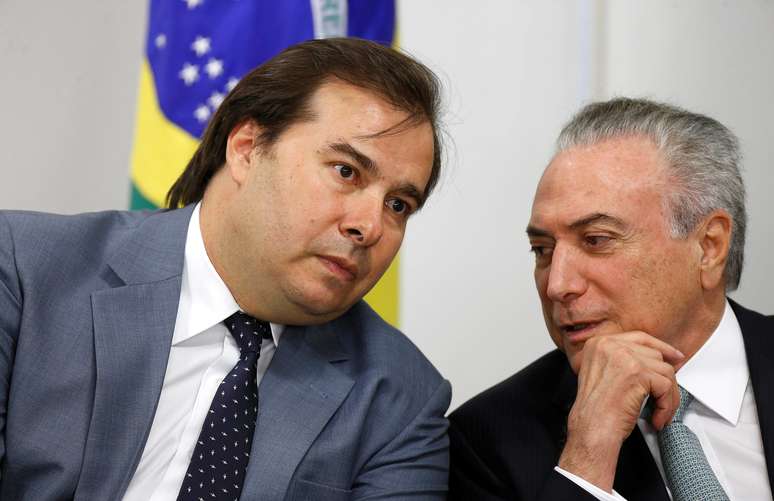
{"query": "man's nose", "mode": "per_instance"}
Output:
(362, 222)
(565, 276)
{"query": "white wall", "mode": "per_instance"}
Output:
(68, 88)
(514, 70)
(513, 73)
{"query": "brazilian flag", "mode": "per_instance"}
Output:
(197, 50)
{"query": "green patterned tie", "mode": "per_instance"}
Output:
(688, 473)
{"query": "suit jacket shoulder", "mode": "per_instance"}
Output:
(529, 392)
(758, 335)
(386, 435)
(380, 349)
(506, 441)
(87, 304)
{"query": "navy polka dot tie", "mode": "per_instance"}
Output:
(219, 461)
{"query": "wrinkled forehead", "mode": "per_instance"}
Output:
(622, 176)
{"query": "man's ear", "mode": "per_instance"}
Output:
(715, 239)
(239, 148)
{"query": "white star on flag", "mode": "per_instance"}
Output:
(201, 45)
(193, 3)
(202, 113)
(232, 82)
(215, 99)
(214, 67)
(189, 73)
(161, 41)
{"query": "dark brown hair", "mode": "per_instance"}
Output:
(276, 95)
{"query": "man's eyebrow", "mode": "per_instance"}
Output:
(407, 189)
(598, 217)
(533, 231)
(358, 156)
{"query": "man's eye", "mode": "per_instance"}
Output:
(597, 240)
(398, 206)
(345, 171)
(540, 251)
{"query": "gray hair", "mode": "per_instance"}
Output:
(702, 154)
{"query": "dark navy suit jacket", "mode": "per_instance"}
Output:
(506, 441)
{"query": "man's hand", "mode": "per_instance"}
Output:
(617, 372)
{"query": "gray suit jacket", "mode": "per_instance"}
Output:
(348, 410)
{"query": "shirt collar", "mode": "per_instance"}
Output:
(717, 374)
(205, 300)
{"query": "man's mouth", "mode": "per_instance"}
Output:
(343, 268)
(579, 331)
(576, 327)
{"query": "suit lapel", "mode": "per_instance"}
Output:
(298, 395)
(133, 327)
(757, 332)
(637, 477)
(563, 399)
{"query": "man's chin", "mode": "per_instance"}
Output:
(313, 309)
(573, 351)
(574, 357)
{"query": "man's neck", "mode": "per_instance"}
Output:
(700, 322)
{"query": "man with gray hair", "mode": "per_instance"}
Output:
(657, 389)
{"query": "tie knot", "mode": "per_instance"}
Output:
(248, 331)
(685, 400)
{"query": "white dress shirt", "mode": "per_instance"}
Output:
(202, 354)
(723, 416)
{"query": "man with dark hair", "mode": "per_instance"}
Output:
(222, 350)
(658, 388)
